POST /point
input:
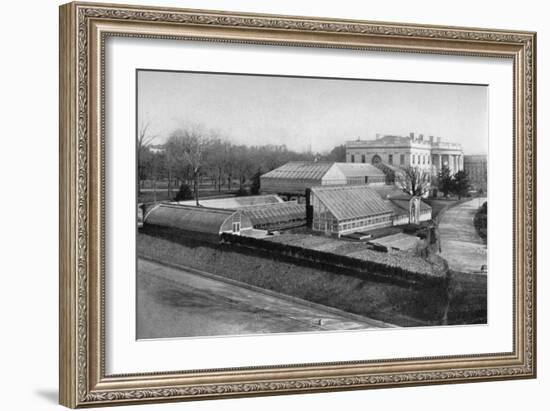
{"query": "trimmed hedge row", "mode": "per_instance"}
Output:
(365, 268)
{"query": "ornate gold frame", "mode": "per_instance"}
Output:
(83, 30)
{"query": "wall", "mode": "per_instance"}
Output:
(29, 188)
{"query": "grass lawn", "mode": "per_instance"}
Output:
(147, 196)
(468, 298)
(359, 250)
(150, 197)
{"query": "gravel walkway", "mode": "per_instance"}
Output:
(461, 246)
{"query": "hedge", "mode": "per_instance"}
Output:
(388, 271)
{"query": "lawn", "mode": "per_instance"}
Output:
(467, 298)
(405, 260)
(148, 196)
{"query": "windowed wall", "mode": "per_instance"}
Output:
(323, 220)
(367, 223)
(357, 180)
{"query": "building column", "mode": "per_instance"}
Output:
(439, 162)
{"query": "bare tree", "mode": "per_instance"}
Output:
(216, 158)
(414, 181)
(189, 147)
(192, 154)
(243, 164)
(144, 140)
(229, 160)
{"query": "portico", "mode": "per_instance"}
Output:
(454, 160)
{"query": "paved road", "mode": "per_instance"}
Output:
(461, 246)
(176, 302)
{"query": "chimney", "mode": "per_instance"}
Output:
(421, 137)
(439, 139)
(431, 139)
(411, 135)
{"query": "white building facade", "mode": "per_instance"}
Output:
(430, 154)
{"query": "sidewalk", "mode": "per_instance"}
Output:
(461, 246)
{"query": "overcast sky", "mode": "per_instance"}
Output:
(304, 112)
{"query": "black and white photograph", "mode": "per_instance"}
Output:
(275, 205)
(286, 204)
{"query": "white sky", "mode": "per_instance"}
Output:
(299, 112)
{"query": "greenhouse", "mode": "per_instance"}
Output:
(346, 209)
(196, 222)
(295, 177)
(277, 216)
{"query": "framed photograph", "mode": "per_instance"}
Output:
(260, 204)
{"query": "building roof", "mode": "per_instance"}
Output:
(304, 170)
(188, 218)
(391, 167)
(427, 142)
(236, 202)
(387, 139)
(275, 213)
(359, 170)
(311, 170)
(390, 191)
(399, 241)
(351, 202)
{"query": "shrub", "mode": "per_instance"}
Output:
(255, 185)
(184, 193)
(480, 221)
(242, 192)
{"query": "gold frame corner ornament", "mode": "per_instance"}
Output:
(83, 29)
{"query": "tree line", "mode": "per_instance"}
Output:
(417, 182)
(194, 157)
